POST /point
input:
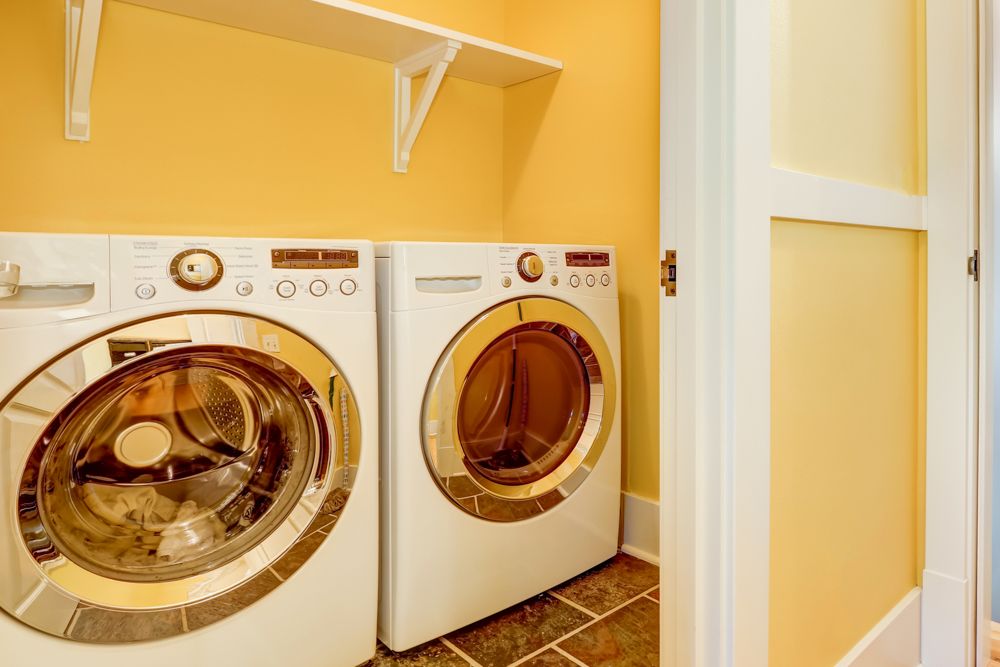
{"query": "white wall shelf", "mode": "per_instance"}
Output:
(413, 46)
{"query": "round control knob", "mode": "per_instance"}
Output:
(318, 287)
(145, 291)
(348, 287)
(530, 266)
(505, 281)
(605, 279)
(243, 288)
(591, 280)
(196, 269)
(574, 280)
(285, 289)
(554, 280)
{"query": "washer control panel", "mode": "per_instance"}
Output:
(313, 274)
(571, 269)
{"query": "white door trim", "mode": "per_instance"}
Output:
(949, 598)
(988, 239)
(715, 335)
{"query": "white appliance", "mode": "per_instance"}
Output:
(188, 432)
(501, 438)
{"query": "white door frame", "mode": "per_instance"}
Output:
(715, 355)
(717, 202)
(988, 242)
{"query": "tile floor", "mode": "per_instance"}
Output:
(607, 616)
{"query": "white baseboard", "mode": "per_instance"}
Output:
(641, 530)
(894, 641)
(946, 632)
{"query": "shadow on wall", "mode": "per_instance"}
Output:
(529, 102)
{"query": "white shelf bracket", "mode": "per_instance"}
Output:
(83, 23)
(409, 118)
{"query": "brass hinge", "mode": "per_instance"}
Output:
(974, 265)
(668, 273)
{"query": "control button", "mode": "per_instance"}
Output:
(554, 280)
(196, 269)
(530, 267)
(605, 279)
(591, 280)
(348, 287)
(286, 288)
(243, 288)
(145, 291)
(574, 280)
(505, 281)
(318, 287)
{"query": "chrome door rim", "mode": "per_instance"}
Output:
(442, 447)
(55, 592)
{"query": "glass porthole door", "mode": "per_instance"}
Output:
(174, 472)
(518, 409)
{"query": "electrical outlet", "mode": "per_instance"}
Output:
(271, 342)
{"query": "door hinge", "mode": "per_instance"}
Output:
(668, 273)
(974, 265)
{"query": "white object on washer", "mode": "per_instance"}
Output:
(172, 491)
(501, 437)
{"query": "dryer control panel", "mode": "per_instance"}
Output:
(588, 270)
(311, 274)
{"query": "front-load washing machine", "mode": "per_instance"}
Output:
(501, 439)
(188, 458)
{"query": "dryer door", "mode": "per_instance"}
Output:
(519, 408)
(167, 471)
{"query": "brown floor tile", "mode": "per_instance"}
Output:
(549, 658)
(655, 595)
(627, 638)
(225, 605)
(107, 626)
(463, 487)
(432, 653)
(610, 584)
(514, 633)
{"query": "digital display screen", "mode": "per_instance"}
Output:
(306, 258)
(588, 259)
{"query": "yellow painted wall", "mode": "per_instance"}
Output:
(845, 406)
(200, 128)
(845, 90)
(581, 161)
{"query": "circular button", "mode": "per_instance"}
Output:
(605, 279)
(348, 287)
(145, 291)
(286, 288)
(591, 280)
(505, 281)
(318, 287)
(574, 280)
(243, 288)
(554, 280)
(196, 269)
(530, 266)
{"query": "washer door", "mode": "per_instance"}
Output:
(518, 409)
(174, 472)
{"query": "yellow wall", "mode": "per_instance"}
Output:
(844, 434)
(844, 90)
(848, 329)
(200, 128)
(581, 163)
